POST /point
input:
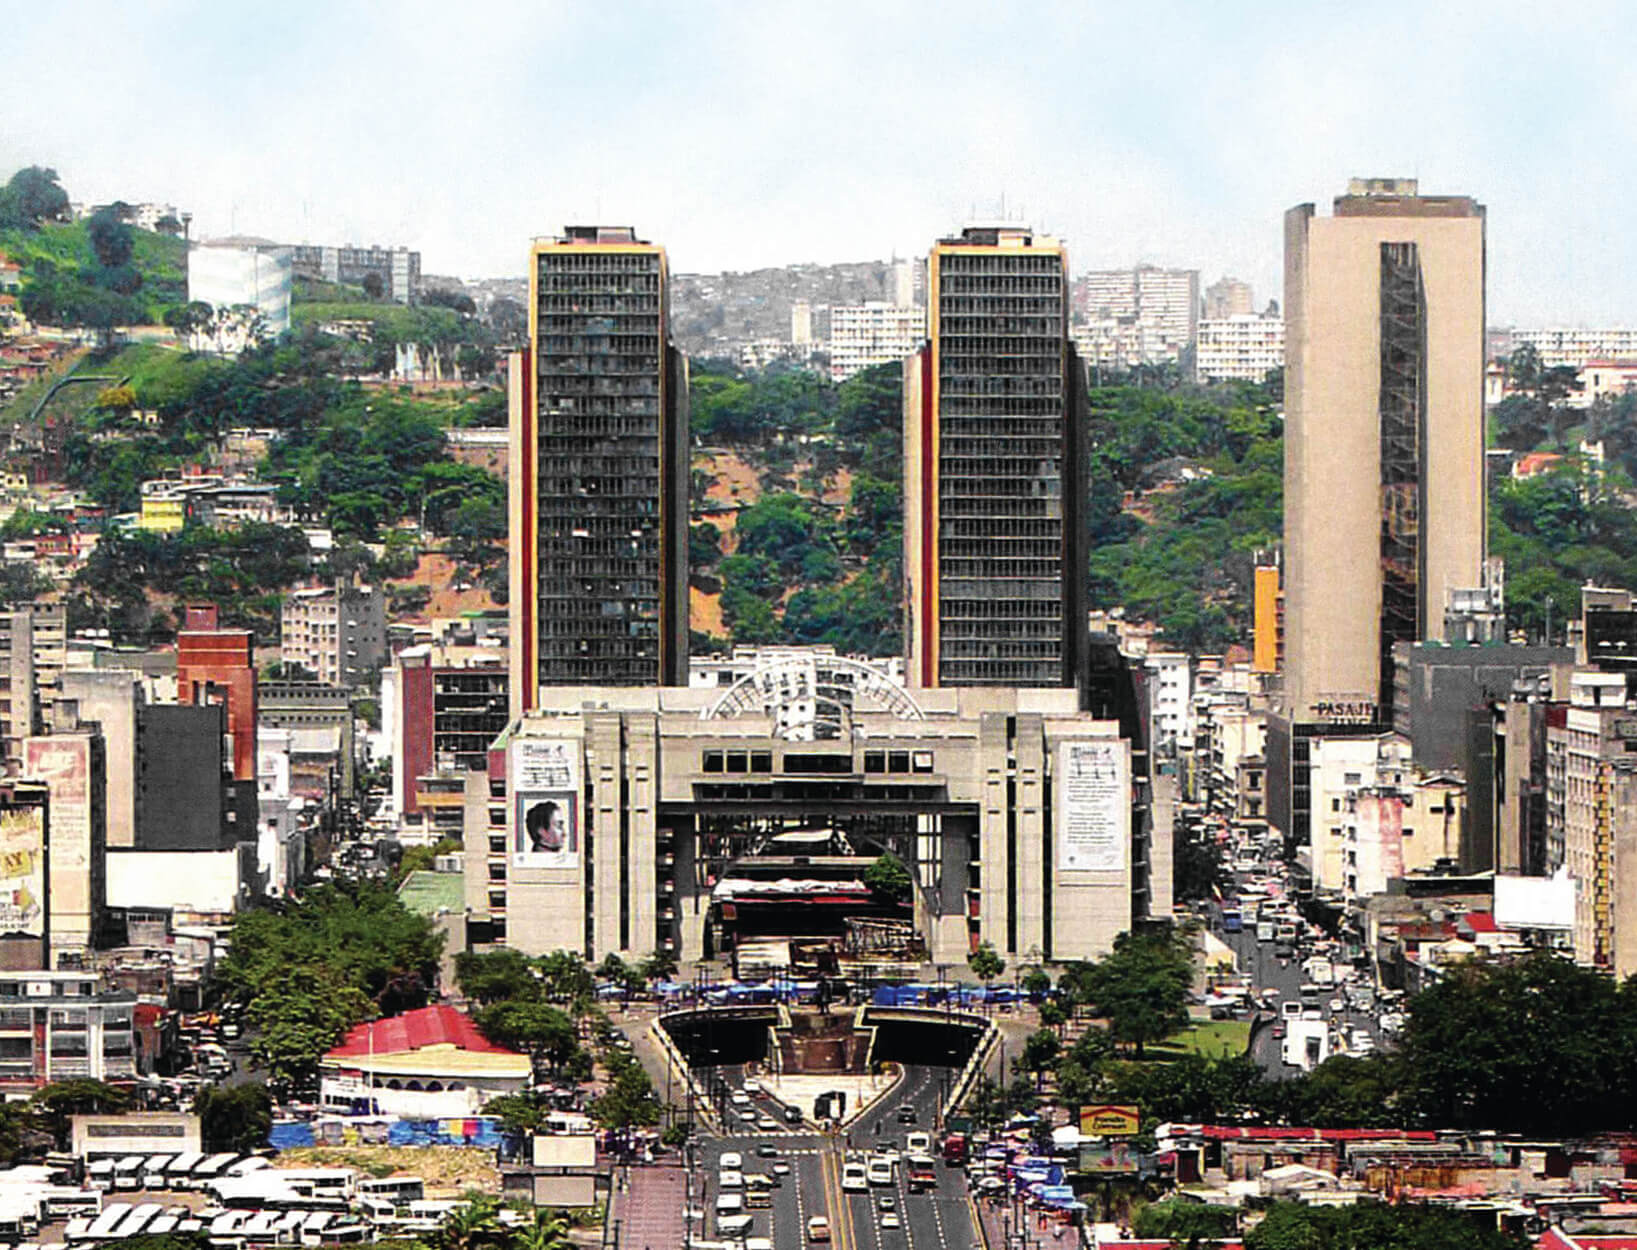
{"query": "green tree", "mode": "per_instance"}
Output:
(297, 1014)
(475, 1224)
(55, 1105)
(110, 238)
(985, 963)
(543, 1032)
(1408, 1226)
(1040, 1051)
(660, 965)
(494, 976)
(234, 1118)
(32, 196)
(568, 982)
(1142, 987)
(1185, 1223)
(628, 1101)
(888, 879)
(519, 1114)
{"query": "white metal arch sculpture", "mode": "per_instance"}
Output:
(809, 696)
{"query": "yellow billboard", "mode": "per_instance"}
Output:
(22, 872)
(1108, 1120)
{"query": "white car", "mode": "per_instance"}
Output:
(753, 1087)
(879, 1171)
(739, 1098)
(918, 1144)
(889, 1219)
(731, 1161)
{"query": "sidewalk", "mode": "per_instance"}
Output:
(650, 1210)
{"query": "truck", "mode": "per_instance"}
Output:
(955, 1149)
(1318, 971)
(921, 1172)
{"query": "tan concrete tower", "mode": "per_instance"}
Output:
(1384, 437)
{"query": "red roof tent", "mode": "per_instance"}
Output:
(1557, 1239)
(1224, 1132)
(426, 1026)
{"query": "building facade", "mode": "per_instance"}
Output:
(599, 470)
(397, 269)
(1141, 315)
(1228, 297)
(215, 665)
(60, 1026)
(338, 633)
(1012, 807)
(872, 333)
(1246, 348)
(1384, 308)
(995, 534)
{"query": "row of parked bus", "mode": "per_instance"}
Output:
(227, 1230)
(193, 1170)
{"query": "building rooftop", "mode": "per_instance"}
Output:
(439, 1029)
(429, 893)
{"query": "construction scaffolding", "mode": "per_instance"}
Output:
(1403, 410)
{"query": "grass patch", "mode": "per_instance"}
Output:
(1210, 1038)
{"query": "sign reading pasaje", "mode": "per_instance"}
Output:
(1108, 1120)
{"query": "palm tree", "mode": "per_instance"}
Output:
(547, 1231)
(474, 1225)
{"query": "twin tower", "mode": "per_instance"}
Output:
(994, 500)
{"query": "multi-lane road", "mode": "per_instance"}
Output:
(807, 1167)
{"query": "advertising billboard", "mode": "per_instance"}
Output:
(1107, 1120)
(22, 872)
(546, 823)
(1094, 805)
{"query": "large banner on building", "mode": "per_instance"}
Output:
(1093, 805)
(545, 782)
(22, 872)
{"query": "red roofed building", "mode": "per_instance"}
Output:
(426, 1064)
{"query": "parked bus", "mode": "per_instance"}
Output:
(128, 1172)
(62, 1204)
(99, 1174)
(398, 1190)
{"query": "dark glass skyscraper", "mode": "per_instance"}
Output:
(995, 520)
(600, 470)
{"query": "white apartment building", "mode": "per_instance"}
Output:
(1573, 347)
(1170, 696)
(872, 333)
(1340, 769)
(1247, 348)
(338, 633)
(1134, 316)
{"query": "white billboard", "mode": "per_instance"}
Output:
(1093, 815)
(546, 820)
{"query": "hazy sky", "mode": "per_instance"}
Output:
(754, 133)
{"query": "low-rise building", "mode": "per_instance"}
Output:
(56, 1026)
(426, 1064)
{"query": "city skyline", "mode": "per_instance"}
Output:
(795, 136)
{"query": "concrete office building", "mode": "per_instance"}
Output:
(995, 539)
(1012, 807)
(599, 471)
(1384, 455)
(1384, 435)
(17, 695)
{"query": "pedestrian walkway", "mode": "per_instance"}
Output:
(650, 1210)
